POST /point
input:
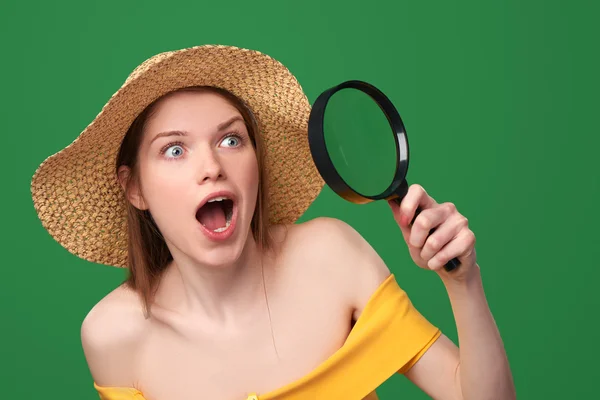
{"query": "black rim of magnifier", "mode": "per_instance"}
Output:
(318, 148)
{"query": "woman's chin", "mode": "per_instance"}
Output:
(223, 255)
(200, 250)
(219, 258)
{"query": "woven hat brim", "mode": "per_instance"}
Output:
(76, 193)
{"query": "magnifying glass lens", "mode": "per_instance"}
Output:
(359, 143)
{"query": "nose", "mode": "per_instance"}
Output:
(210, 167)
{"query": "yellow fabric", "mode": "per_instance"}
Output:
(389, 337)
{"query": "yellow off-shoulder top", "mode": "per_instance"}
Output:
(389, 337)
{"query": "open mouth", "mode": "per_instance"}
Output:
(215, 215)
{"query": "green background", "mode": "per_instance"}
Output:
(500, 100)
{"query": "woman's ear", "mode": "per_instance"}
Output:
(131, 189)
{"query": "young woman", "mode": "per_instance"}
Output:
(192, 177)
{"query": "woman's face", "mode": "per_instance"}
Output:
(199, 176)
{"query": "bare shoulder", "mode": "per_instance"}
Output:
(340, 252)
(110, 336)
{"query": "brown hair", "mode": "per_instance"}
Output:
(148, 254)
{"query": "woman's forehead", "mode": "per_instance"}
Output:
(198, 111)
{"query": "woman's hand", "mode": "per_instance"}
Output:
(452, 237)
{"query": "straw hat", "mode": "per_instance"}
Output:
(76, 193)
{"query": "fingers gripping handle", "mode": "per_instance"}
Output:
(450, 265)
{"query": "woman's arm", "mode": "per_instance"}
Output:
(480, 369)
(484, 371)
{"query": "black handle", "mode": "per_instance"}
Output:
(450, 265)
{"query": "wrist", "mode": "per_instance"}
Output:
(463, 281)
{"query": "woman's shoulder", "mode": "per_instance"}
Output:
(321, 232)
(110, 335)
(335, 240)
(331, 249)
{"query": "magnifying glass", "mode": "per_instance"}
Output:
(359, 145)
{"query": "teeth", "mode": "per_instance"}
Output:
(221, 229)
(217, 199)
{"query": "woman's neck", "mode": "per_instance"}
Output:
(220, 293)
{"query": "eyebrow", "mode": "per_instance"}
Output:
(221, 127)
(224, 125)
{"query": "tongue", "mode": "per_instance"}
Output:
(212, 216)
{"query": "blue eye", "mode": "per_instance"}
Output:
(231, 141)
(174, 151)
